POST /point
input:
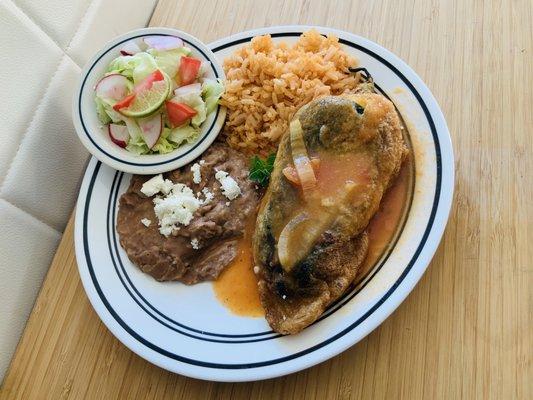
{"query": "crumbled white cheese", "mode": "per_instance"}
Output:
(230, 188)
(194, 243)
(157, 184)
(256, 269)
(178, 202)
(146, 222)
(284, 297)
(208, 195)
(202, 162)
(227, 203)
(196, 174)
(178, 207)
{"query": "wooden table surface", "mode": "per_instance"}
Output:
(466, 330)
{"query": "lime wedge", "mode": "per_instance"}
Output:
(148, 101)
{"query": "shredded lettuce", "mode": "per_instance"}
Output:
(104, 108)
(168, 61)
(136, 67)
(133, 128)
(101, 112)
(169, 140)
(181, 134)
(163, 146)
(211, 91)
(137, 146)
(122, 65)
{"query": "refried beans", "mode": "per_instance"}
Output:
(215, 229)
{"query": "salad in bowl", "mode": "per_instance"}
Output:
(154, 95)
(148, 102)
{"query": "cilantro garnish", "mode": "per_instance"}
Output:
(260, 169)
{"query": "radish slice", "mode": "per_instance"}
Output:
(192, 88)
(163, 42)
(119, 134)
(151, 128)
(114, 86)
(130, 48)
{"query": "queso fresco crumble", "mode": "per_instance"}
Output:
(176, 203)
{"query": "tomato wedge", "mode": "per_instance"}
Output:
(147, 82)
(178, 113)
(188, 71)
(125, 102)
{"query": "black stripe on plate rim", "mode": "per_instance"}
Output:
(340, 334)
(129, 162)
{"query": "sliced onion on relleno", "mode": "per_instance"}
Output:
(302, 231)
(301, 160)
(292, 176)
(296, 239)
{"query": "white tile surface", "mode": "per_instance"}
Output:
(50, 159)
(58, 18)
(26, 249)
(26, 64)
(102, 23)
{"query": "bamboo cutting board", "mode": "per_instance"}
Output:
(466, 331)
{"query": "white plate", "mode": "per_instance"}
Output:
(186, 330)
